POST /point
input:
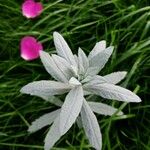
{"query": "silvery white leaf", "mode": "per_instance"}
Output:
(53, 135)
(87, 79)
(103, 109)
(54, 100)
(71, 109)
(91, 126)
(87, 93)
(74, 70)
(91, 71)
(76, 58)
(74, 81)
(51, 67)
(111, 91)
(63, 49)
(101, 59)
(96, 80)
(99, 47)
(115, 77)
(63, 66)
(81, 70)
(83, 61)
(45, 89)
(43, 121)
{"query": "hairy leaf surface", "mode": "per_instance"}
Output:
(43, 121)
(71, 109)
(91, 126)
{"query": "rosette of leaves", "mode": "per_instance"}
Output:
(77, 76)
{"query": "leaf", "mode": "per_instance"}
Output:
(99, 60)
(99, 47)
(83, 62)
(96, 80)
(74, 70)
(53, 135)
(74, 81)
(51, 67)
(111, 91)
(91, 126)
(71, 109)
(87, 79)
(55, 100)
(43, 121)
(91, 71)
(76, 58)
(63, 49)
(63, 66)
(87, 93)
(115, 77)
(103, 109)
(45, 89)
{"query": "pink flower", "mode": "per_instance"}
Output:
(30, 48)
(31, 9)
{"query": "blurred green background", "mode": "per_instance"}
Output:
(122, 23)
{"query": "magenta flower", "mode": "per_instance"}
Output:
(30, 48)
(31, 9)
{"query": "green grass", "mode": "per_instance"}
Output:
(124, 24)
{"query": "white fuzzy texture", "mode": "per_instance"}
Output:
(53, 135)
(63, 49)
(103, 109)
(78, 76)
(45, 89)
(43, 121)
(115, 77)
(91, 127)
(71, 109)
(110, 91)
(99, 47)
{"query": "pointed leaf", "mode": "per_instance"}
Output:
(99, 47)
(91, 71)
(96, 80)
(91, 126)
(63, 49)
(87, 79)
(83, 61)
(101, 59)
(76, 58)
(115, 77)
(103, 109)
(45, 89)
(54, 100)
(43, 121)
(87, 93)
(71, 109)
(111, 91)
(51, 67)
(63, 66)
(53, 135)
(74, 70)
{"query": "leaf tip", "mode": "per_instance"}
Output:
(30, 130)
(55, 34)
(138, 100)
(23, 89)
(124, 73)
